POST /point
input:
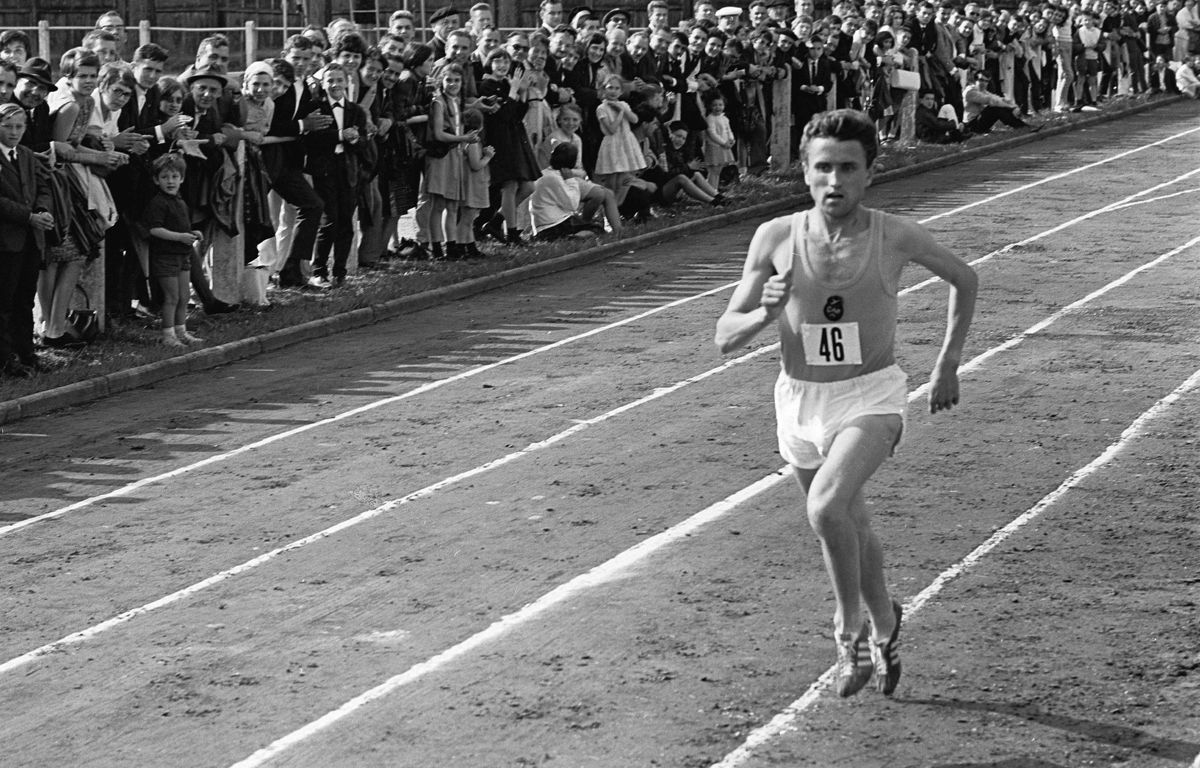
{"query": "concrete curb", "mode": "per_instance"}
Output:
(205, 359)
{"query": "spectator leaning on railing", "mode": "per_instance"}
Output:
(655, 111)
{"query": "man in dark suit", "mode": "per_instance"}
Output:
(24, 218)
(295, 114)
(811, 81)
(333, 162)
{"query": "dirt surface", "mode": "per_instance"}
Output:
(409, 510)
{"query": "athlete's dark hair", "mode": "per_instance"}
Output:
(842, 125)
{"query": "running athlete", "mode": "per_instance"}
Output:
(829, 276)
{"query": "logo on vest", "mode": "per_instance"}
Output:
(833, 309)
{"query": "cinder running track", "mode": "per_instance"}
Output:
(547, 527)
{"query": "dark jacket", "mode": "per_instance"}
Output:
(24, 190)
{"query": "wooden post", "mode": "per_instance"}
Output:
(91, 281)
(43, 35)
(781, 122)
(143, 32)
(908, 118)
(284, 17)
(251, 42)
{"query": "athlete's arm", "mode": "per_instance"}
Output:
(761, 295)
(921, 248)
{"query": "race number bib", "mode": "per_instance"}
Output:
(831, 343)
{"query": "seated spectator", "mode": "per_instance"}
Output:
(1186, 79)
(566, 131)
(564, 201)
(932, 128)
(684, 165)
(983, 109)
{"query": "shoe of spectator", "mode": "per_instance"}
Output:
(419, 252)
(188, 338)
(454, 251)
(471, 251)
(494, 229)
(339, 281)
(18, 370)
(514, 237)
(719, 201)
(854, 665)
(436, 253)
(218, 307)
(62, 342)
(319, 283)
(886, 657)
(173, 342)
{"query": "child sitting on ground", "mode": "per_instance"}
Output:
(566, 131)
(171, 244)
(564, 201)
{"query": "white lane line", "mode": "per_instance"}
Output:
(607, 570)
(601, 574)
(427, 387)
(266, 557)
(1063, 175)
(430, 386)
(174, 597)
(785, 721)
(1124, 202)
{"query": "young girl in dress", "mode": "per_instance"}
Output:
(539, 121)
(475, 198)
(718, 140)
(620, 153)
(566, 131)
(445, 176)
(514, 167)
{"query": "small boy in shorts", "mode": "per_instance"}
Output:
(171, 244)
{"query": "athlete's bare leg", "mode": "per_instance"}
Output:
(838, 514)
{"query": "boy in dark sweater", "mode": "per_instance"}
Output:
(168, 221)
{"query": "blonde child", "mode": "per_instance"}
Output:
(445, 177)
(718, 140)
(620, 152)
(167, 219)
(478, 179)
(566, 131)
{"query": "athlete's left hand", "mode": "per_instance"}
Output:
(943, 388)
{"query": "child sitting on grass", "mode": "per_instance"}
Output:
(171, 244)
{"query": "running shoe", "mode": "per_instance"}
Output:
(853, 661)
(886, 657)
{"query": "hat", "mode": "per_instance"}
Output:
(785, 32)
(614, 13)
(585, 12)
(38, 70)
(778, 4)
(200, 73)
(729, 10)
(445, 12)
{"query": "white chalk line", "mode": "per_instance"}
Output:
(430, 386)
(1125, 202)
(174, 597)
(362, 517)
(94, 630)
(785, 721)
(607, 570)
(1064, 174)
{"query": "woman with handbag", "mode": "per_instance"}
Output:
(70, 112)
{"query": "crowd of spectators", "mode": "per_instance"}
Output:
(567, 130)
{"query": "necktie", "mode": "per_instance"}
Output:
(12, 156)
(338, 112)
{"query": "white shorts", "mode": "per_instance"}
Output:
(809, 414)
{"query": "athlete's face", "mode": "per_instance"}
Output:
(837, 176)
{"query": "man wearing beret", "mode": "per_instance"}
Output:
(444, 21)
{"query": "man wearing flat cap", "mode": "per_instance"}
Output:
(617, 18)
(33, 84)
(728, 19)
(443, 21)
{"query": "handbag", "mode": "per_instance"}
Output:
(83, 324)
(905, 79)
